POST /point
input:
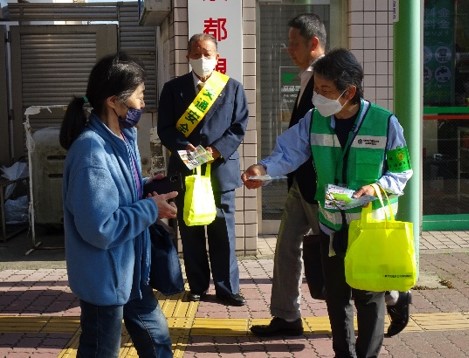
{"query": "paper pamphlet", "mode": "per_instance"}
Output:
(338, 197)
(194, 159)
(266, 179)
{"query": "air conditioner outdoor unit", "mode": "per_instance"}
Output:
(153, 12)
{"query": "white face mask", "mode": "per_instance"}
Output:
(327, 107)
(203, 66)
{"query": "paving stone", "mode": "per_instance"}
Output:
(32, 289)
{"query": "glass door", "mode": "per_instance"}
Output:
(446, 115)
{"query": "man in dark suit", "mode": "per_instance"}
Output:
(306, 43)
(220, 130)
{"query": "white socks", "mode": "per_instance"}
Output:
(391, 297)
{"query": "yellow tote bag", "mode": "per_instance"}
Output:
(199, 203)
(380, 254)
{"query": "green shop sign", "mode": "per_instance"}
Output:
(438, 52)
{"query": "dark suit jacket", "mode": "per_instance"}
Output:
(223, 127)
(305, 175)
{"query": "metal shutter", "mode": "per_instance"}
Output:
(4, 134)
(51, 64)
(55, 65)
(139, 42)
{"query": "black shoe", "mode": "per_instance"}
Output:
(232, 300)
(399, 313)
(196, 297)
(279, 327)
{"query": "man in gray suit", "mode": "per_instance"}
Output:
(306, 43)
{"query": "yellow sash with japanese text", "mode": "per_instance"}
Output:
(202, 103)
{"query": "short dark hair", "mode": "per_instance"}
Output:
(341, 67)
(201, 37)
(310, 25)
(113, 75)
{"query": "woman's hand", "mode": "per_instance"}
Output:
(166, 209)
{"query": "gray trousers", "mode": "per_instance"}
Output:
(369, 305)
(298, 218)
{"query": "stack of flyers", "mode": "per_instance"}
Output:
(338, 197)
(194, 159)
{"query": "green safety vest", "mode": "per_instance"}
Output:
(359, 163)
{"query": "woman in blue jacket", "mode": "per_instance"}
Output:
(106, 220)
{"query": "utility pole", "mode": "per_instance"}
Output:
(408, 102)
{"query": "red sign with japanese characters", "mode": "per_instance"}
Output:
(223, 20)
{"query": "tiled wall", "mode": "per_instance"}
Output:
(370, 33)
(246, 204)
(174, 35)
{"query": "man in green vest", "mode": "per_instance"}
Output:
(354, 144)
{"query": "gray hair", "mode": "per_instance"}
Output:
(201, 37)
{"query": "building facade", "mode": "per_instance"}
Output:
(270, 81)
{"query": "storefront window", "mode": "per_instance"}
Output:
(446, 109)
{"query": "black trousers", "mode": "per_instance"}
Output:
(370, 308)
(221, 257)
(313, 266)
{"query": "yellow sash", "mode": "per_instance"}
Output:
(202, 103)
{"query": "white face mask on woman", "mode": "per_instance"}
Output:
(203, 66)
(327, 107)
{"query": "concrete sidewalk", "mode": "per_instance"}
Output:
(39, 316)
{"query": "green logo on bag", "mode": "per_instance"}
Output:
(399, 276)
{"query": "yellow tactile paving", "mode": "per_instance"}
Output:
(62, 324)
(183, 323)
(38, 324)
(317, 325)
(179, 308)
(71, 350)
(127, 350)
(220, 327)
(412, 326)
(179, 312)
(441, 321)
